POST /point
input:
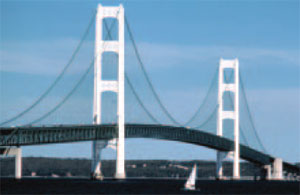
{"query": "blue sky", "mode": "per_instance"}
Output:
(177, 39)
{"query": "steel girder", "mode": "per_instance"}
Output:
(28, 135)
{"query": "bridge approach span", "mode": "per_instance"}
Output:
(29, 135)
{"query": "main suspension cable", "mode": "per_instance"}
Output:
(146, 76)
(75, 87)
(131, 86)
(205, 99)
(57, 78)
(250, 115)
(140, 101)
(66, 97)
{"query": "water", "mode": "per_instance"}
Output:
(143, 186)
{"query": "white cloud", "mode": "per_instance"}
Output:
(168, 54)
(49, 57)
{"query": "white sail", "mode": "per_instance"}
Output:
(191, 182)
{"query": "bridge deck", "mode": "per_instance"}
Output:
(21, 136)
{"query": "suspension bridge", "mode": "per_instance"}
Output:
(134, 109)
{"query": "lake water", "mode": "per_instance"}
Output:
(143, 186)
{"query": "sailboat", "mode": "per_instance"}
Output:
(191, 182)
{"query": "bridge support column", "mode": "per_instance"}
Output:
(116, 86)
(268, 168)
(97, 148)
(277, 169)
(219, 168)
(17, 153)
(18, 163)
(229, 114)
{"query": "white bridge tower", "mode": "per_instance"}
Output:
(116, 86)
(232, 114)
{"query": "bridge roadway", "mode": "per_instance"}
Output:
(29, 135)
